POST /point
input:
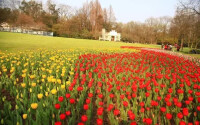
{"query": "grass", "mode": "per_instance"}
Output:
(17, 41)
(186, 50)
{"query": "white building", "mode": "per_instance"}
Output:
(7, 28)
(110, 36)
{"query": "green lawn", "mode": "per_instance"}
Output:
(186, 52)
(17, 41)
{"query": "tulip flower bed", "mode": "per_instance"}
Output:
(92, 87)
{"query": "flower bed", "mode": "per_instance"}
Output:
(117, 86)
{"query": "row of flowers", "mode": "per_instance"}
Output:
(148, 87)
(33, 80)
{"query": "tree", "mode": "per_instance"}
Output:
(65, 11)
(190, 5)
(32, 8)
(5, 14)
(25, 21)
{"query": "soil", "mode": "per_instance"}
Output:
(8, 98)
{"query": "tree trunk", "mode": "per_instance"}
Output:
(196, 44)
(182, 44)
(191, 44)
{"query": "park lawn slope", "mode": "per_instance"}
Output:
(17, 41)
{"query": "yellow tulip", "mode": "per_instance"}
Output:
(62, 86)
(44, 76)
(53, 91)
(32, 76)
(68, 82)
(23, 85)
(46, 93)
(4, 70)
(24, 116)
(23, 75)
(16, 107)
(40, 96)
(34, 105)
(58, 81)
(71, 73)
(30, 90)
(33, 84)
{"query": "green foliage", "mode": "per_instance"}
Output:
(5, 14)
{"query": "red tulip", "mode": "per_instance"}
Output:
(180, 115)
(197, 123)
(190, 98)
(179, 104)
(122, 96)
(100, 111)
(133, 123)
(80, 88)
(62, 116)
(88, 101)
(70, 88)
(111, 95)
(116, 112)
(58, 123)
(67, 113)
(185, 111)
(159, 98)
(198, 108)
(147, 94)
(132, 116)
(99, 121)
(141, 104)
(57, 106)
(72, 101)
(80, 123)
(100, 95)
(84, 118)
(142, 110)
(90, 95)
(67, 95)
(148, 121)
(110, 107)
(182, 123)
(100, 103)
(169, 116)
(162, 109)
(85, 107)
(60, 99)
(190, 91)
(125, 103)
(134, 95)
(170, 90)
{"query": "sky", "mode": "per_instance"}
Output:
(132, 10)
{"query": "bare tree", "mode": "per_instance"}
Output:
(65, 11)
(192, 5)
